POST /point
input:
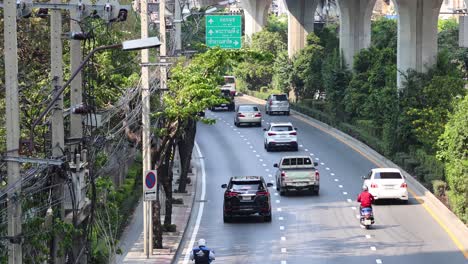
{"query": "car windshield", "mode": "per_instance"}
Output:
(281, 128)
(225, 92)
(387, 175)
(248, 108)
(247, 186)
(279, 97)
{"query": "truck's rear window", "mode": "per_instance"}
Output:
(387, 175)
(297, 161)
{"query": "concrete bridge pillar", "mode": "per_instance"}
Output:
(417, 35)
(301, 17)
(355, 27)
(255, 13)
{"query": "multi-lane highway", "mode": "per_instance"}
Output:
(305, 229)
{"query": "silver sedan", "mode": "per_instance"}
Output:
(248, 114)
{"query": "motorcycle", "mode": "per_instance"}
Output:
(367, 217)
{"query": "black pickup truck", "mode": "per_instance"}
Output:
(230, 104)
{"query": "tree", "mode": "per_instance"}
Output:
(453, 151)
(384, 33)
(282, 68)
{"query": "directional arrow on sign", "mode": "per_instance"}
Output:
(210, 21)
(211, 32)
(236, 42)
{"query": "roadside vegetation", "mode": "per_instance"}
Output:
(412, 125)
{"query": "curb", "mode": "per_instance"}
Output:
(196, 167)
(452, 225)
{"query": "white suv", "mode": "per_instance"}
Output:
(279, 135)
(387, 183)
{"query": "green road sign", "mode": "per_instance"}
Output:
(224, 31)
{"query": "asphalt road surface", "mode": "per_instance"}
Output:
(305, 228)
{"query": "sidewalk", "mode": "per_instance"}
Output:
(132, 239)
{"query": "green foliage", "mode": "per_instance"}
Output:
(384, 33)
(282, 68)
(278, 24)
(453, 152)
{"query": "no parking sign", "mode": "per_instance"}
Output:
(149, 186)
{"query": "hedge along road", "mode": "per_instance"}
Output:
(308, 229)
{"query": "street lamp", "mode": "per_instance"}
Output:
(129, 45)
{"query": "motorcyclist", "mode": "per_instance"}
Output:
(365, 198)
(202, 254)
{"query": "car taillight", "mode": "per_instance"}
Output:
(258, 115)
(317, 175)
(293, 133)
(404, 185)
(373, 185)
(262, 193)
(271, 134)
(283, 175)
(240, 115)
(230, 194)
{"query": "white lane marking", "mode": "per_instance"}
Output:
(306, 150)
(248, 143)
(312, 154)
(327, 168)
(301, 146)
(201, 206)
(261, 160)
(278, 209)
(283, 262)
(277, 201)
(272, 181)
(251, 147)
(281, 218)
(276, 193)
(345, 193)
(258, 156)
(241, 136)
(340, 186)
(321, 163)
(235, 129)
(337, 180)
(354, 208)
(254, 151)
(317, 159)
(245, 139)
(267, 170)
(283, 250)
(373, 248)
(349, 200)
(368, 236)
(378, 261)
(332, 174)
(358, 216)
(281, 227)
(269, 175)
(283, 238)
(264, 165)
(238, 132)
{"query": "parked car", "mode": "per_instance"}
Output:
(386, 183)
(230, 104)
(297, 173)
(280, 135)
(277, 103)
(246, 195)
(248, 114)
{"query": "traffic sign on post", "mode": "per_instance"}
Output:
(149, 186)
(224, 31)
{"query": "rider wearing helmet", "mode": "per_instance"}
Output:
(365, 197)
(202, 254)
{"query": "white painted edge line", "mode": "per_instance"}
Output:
(378, 261)
(281, 218)
(283, 238)
(281, 227)
(200, 210)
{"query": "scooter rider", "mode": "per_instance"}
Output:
(202, 254)
(365, 198)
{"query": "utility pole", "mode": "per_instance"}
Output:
(145, 120)
(162, 39)
(178, 25)
(56, 72)
(13, 131)
(76, 92)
